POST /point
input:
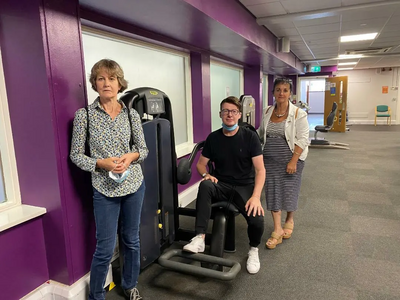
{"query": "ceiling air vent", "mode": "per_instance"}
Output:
(368, 51)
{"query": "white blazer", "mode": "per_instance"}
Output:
(296, 129)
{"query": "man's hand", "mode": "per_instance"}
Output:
(253, 206)
(209, 177)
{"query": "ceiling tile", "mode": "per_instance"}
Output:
(315, 46)
(320, 36)
(266, 9)
(288, 32)
(325, 53)
(319, 28)
(367, 13)
(328, 63)
(389, 41)
(322, 42)
(253, 2)
(295, 38)
(294, 6)
(394, 20)
(389, 34)
(319, 21)
(355, 2)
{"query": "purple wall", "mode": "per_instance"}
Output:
(67, 79)
(201, 95)
(43, 67)
(33, 135)
(253, 86)
(44, 88)
(23, 265)
(270, 89)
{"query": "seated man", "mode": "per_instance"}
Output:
(238, 177)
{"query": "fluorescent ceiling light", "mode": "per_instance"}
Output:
(347, 56)
(347, 63)
(342, 69)
(358, 37)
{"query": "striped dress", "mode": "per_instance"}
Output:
(281, 189)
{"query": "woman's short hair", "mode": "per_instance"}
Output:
(283, 81)
(112, 68)
(232, 100)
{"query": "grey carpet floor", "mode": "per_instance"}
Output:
(346, 241)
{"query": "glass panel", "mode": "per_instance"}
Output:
(265, 92)
(225, 82)
(143, 66)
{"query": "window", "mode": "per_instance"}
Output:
(265, 94)
(145, 64)
(9, 187)
(226, 80)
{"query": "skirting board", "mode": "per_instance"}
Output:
(53, 290)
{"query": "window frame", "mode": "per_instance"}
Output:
(8, 160)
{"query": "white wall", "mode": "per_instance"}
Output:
(365, 93)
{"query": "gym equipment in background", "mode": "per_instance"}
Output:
(322, 143)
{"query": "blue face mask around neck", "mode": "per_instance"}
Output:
(231, 128)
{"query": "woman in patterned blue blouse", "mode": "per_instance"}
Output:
(117, 178)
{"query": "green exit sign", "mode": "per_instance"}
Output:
(316, 69)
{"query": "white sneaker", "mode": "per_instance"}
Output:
(196, 244)
(253, 262)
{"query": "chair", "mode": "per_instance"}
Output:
(383, 111)
(322, 143)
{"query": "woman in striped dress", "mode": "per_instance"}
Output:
(285, 134)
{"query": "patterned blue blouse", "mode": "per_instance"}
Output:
(108, 138)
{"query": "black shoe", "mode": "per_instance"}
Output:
(132, 294)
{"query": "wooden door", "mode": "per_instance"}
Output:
(336, 91)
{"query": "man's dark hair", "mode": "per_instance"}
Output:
(232, 100)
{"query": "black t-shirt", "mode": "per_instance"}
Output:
(232, 155)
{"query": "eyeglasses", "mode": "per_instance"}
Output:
(234, 112)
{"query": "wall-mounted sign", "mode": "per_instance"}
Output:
(385, 89)
(315, 69)
(333, 89)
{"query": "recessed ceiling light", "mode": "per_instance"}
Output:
(347, 63)
(358, 37)
(342, 69)
(347, 56)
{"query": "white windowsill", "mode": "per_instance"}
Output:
(20, 214)
(184, 149)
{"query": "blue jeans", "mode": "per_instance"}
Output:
(106, 213)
